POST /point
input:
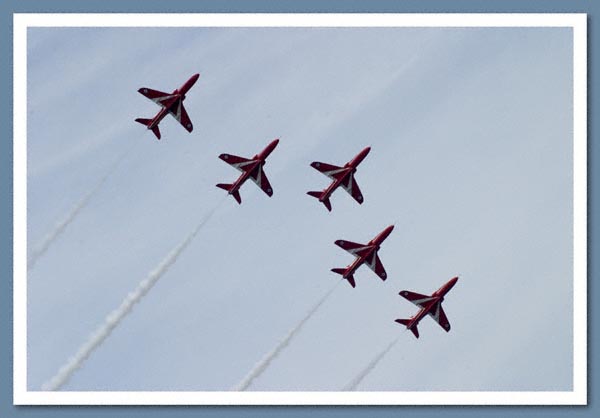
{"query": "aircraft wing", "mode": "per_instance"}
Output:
(158, 97)
(331, 171)
(349, 185)
(261, 180)
(416, 298)
(182, 117)
(439, 316)
(376, 265)
(352, 247)
(241, 163)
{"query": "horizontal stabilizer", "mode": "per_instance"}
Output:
(351, 281)
(228, 187)
(318, 195)
(415, 331)
(147, 122)
(349, 278)
(156, 131)
(143, 121)
(225, 186)
(405, 322)
(236, 196)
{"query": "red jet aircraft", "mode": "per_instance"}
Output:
(341, 176)
(251, 169)
(170, 103)
(430, 305)
(365, 253)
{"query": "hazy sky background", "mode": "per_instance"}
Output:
(471, 136)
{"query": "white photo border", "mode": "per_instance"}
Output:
(576, 21)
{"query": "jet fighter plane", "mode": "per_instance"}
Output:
(251, 169)
(365, 253)
(171, 103)
(429, 305)
(341, 176)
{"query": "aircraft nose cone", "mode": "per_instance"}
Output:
(188, 84)
(452, 282)
(272, 145)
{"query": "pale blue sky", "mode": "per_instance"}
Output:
(471, 136)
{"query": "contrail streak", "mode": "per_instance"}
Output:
(60, 226)
(372, 364)
(115, 317)
(262, 365)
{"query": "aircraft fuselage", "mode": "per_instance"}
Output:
(372, 247)
(348, 170)
(177, 97)
(259, 159)
(437, 296)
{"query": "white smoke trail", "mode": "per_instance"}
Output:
(262, 365)
(60, 226)
(115, 317)
(372, 364)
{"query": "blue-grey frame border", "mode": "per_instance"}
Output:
(8, 7)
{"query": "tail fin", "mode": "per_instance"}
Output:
(235, 194)
(147, 122)
(405, 322)
(318, 195)
(349, 278)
